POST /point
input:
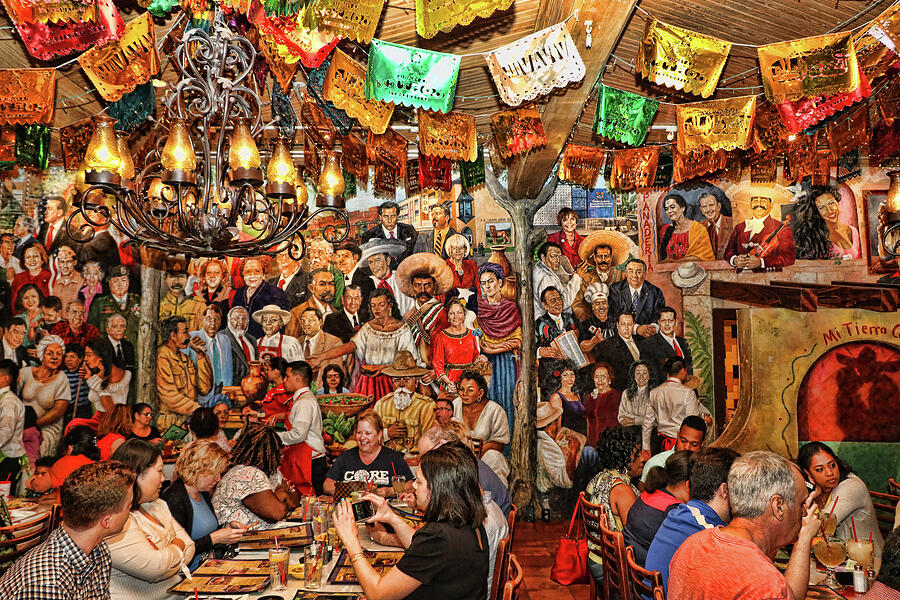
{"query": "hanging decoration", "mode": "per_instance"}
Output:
(354, 159)
(44, 41)
(316, 124)
(282, 8)
(282, 70)
(353, 19)
(873, 57)
(816, 66)
(682, 59)
(848, 134)
(345, 86)
(471, 173)
(664, 170)
(297, 37)
(802, 157)
(132, 109)
(434, 172)
(449, 135)
(535, 65)
(412, 178)
(768, 128)
(888, 105)
(623, 116)
(389, 152)
(886, 28)
(315, 80)
(120, 66)
(848, 166)
(581, 164)
(517, 131)
(284, 110)
(702, 161)
(885, 141)
(634, 168)
(53, 11)
(74, 139)
(27, 96)
(434, 16)
(411, 76)
(161, 8)
(733, 166)
(806, 112)
(763, 167)
(387, 173)
(33, 146)
(718, 124)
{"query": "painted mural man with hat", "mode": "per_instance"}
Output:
(378, 254)
(119, 301)
(404, 412)
(425, 277)
(273, 342)
(757, 230)
(600, 325)
(601, 252)
(176, 302)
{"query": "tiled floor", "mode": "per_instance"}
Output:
(535, 547)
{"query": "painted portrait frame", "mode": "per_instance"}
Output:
(872, 199)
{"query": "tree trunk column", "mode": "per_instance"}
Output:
(148, 327)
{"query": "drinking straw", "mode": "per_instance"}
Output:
(276, 543)
(196, 593)
(870, 536)
(853, 525)
(394, 469)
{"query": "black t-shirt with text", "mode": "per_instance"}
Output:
(349, 467)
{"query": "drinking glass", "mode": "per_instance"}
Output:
(312, 566)
(398, 482)
(278, 567)
(829, 524)
(863, 552)
(830, 552)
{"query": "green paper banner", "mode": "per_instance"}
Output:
(472, 173)
(161, 8)
(623, 116)
(411, 76)
(33, 145)
(132, 109)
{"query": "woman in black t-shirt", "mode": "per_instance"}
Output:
(370, 461)
(448, 557)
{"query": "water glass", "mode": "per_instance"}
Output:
(312, 566)
(278, 567)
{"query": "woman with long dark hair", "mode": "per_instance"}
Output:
(108, 382)
(818, 230)
(634, 400)
(683, 238)
(449, 556)
(562, 384)
(27, 305)
(332, 381)
(485, 419)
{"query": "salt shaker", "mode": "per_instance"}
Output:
(859, 580)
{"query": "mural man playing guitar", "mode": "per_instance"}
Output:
(761, 243)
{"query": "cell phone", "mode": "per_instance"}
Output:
(362, 510)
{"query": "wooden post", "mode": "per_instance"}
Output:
(148, 326)
(523, 456)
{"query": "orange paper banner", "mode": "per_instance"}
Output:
(353, 19)
(448, 135)
(718, 124)
(581, 165)
(344, 87)
(634, 168)
(27, 96)
(120, 66)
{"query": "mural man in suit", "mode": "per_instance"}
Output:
(314, 341)
(391, 229)
(756, 230)
(345, 322)
(665, 344)
(218, 346)
(290, 280)
(638, 296)
(718, 226)
(436, 240)
(621, 350)
(243, 345)
(348, 261)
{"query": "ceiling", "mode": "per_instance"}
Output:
(758, 22)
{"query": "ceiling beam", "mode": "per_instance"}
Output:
(801, 299)
(528, 172)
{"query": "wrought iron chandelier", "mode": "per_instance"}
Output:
(211, 202)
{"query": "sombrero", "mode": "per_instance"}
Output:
(546, 414)
(688, 275)
(619, 243)
(272, 309)
(404, 365)
(381, 246)
(778, 194)
(424, 263)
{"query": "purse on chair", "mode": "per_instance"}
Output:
(570, 564)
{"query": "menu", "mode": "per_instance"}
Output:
(297, 535)
(381, 560)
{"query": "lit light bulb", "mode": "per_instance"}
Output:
(243, 153)
(178, 153)
(791, 137)
(331, 183)
(302, 194)
(103, 150)
(281, 168)
(126, 164)
(80, 184)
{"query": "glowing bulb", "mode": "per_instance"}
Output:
(80, 184)
(331, 183)
(791, 137)
(103, 150)
(281, 167)
(126, 164)
(178, 153)
(243, 153)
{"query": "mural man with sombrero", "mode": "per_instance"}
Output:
(757, 231)
(378, 255)
(600, 252)
(425, 277)
(404, 412)
(273, 318)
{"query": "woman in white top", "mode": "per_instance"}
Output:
(486, 420)
(634, 400)
(149, 554)
(107, 382)
(46, 389)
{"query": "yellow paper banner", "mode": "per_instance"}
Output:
(433, 16)
(120, 66)
(886, 28)
(815, 66)
(354, 19)
(345, 85)
(451, 135)
(717, 124)
(681, 58)
(52, 11)
(27, 96)
(634, 168)
(581, 165)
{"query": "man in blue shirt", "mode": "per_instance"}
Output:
(707, 508)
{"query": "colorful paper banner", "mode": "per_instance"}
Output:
(282, 70)
(411, 76)
(449, 135)
(806, 112)
(634, 168)
(387, 173)
(433, 16)
(353, 19)
(412, 178)
(535, 65)
(718, 124)
(131, 110)
(801, 157)
(886, 28)
(390, 145)
(297, 38)
(33, 145)
(354, 159)
(623, 116)
(517, 131)
(27, 96)
(53, 11)
(120, 66)
(769, 130)
(581, 165)
(849, 133)
(688, 165)
(284, 110)
(74, 139)
(810, 67)
(471, 173)
(315, 81)
(345, 86)
(763, 167)
(681, 58)
(45, 41)
(434, 172)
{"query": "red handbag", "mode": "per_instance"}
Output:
(570, 564)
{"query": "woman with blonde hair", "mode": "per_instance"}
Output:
(114, 427)
(199, 468)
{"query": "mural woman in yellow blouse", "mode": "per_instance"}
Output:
(683, 238)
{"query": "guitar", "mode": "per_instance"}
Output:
(771, 242)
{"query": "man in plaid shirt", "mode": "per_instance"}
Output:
(73, 563)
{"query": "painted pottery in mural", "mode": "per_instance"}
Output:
(254, 384)
(510, 284)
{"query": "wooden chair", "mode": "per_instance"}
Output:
(893, 485)
(659, 593)
(501, 564)
(511, 519)
(516, 574)
(22, 537)
(885, 505)
(55, 516)
(610, 545)
(642, 581)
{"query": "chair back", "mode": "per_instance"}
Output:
(893, 486)
(55, 516)
(885, 505)
(611, 548)
(642, 581)
(501, 565)
(659, 593)
(511, 520)
(511, 587)
(19, 538)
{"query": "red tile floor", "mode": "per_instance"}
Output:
(534, 547)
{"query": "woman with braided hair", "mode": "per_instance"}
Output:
(253, 492)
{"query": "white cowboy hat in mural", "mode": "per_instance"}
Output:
(688, 275)
(272, 309)
(546, 414)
